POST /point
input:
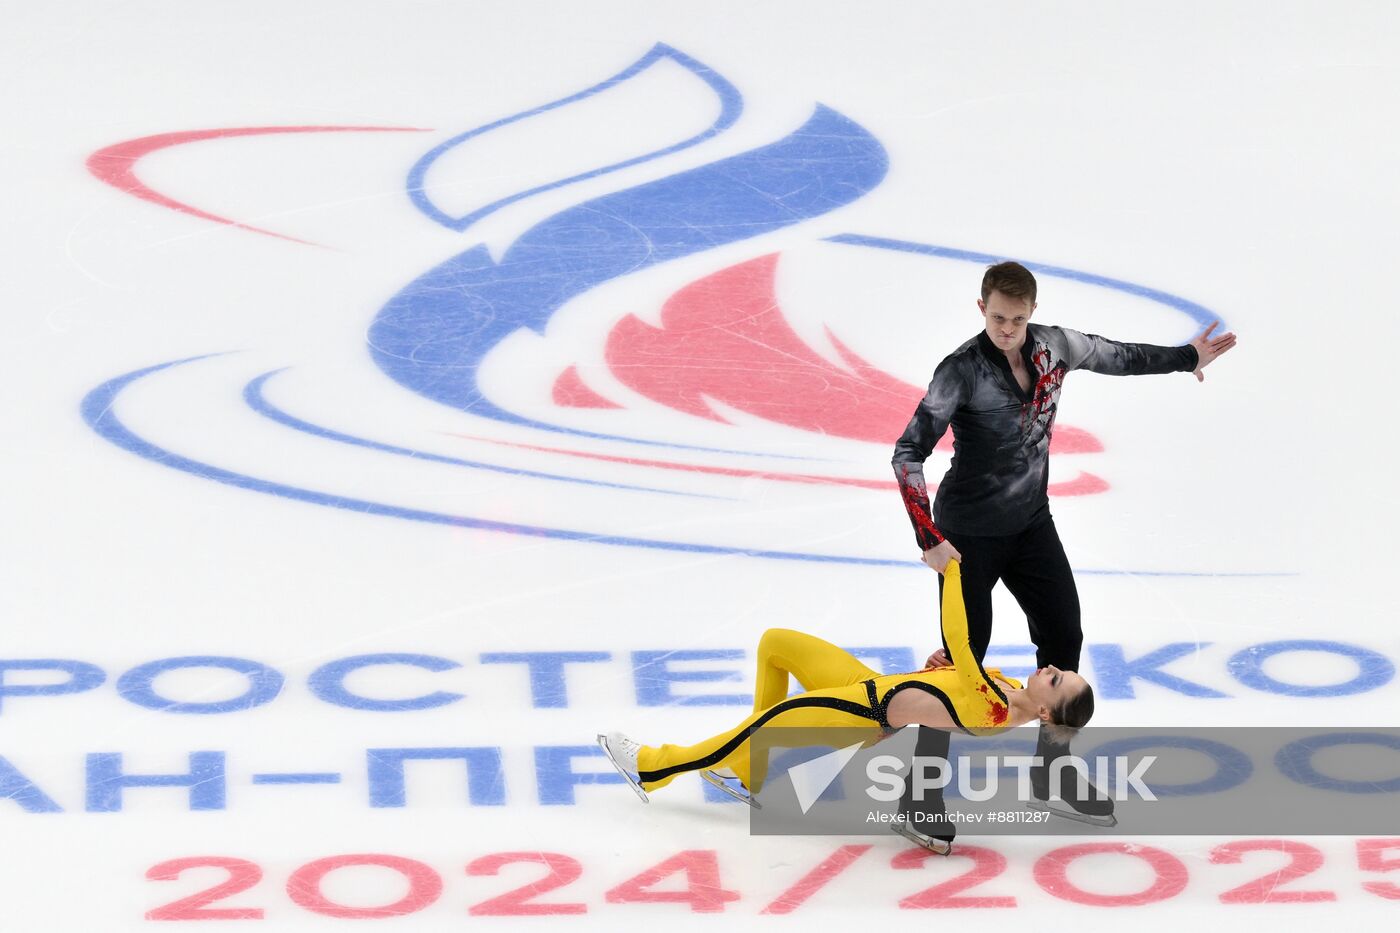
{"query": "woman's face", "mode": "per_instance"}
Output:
(1049, 686)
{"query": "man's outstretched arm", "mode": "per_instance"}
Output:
(1112, 358)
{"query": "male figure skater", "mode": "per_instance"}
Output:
(843, 692)
(999, 392)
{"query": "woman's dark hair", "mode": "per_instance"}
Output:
(1076, 711)
(1011, 279)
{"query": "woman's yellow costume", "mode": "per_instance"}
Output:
(840, 692)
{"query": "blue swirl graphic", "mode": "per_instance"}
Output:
(98, 411)
(256, 400)
(433, 336)
(1198, 313)
(731, 105)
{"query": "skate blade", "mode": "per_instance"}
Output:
(720, 783)
(1064, 811)
(936, 846)
(631, 781)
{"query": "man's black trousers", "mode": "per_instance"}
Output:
(1034, 568)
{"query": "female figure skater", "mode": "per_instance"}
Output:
(841, 691)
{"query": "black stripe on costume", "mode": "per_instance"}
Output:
(727, 749)
(948, 652)
(990, 682)
(983, 671)
(927, 688)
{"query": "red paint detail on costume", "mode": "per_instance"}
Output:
(915, 496)
(1041, 359)
(694, 467)
(116, 164)
(570, 391)
(996, 711)
(1049, 379)
(1044, 397)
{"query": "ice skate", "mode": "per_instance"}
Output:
(1060, 808)
(929, 810)
(1083, 804)
(721, 781)
(1077, 798)
(622, 752)
(923, 840)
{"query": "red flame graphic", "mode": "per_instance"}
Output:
(725, 338)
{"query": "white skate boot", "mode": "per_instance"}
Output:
(622, 752)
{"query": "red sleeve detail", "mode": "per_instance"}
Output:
(915, 494)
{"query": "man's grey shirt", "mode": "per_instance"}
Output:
(998, 480)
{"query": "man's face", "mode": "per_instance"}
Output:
(1006, 320)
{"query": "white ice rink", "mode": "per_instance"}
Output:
(398, 394)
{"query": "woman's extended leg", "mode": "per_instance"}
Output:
(817, 664)
(843, 707)
(657, 765)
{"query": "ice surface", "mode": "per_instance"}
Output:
(656, 472)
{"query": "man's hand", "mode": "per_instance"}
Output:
(938, 659)
(1207, 349)
(938, 557)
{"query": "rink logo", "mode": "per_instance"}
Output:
(1316, 781)
(467, 314)
(403, 682)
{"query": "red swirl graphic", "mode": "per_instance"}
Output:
(116, 164)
